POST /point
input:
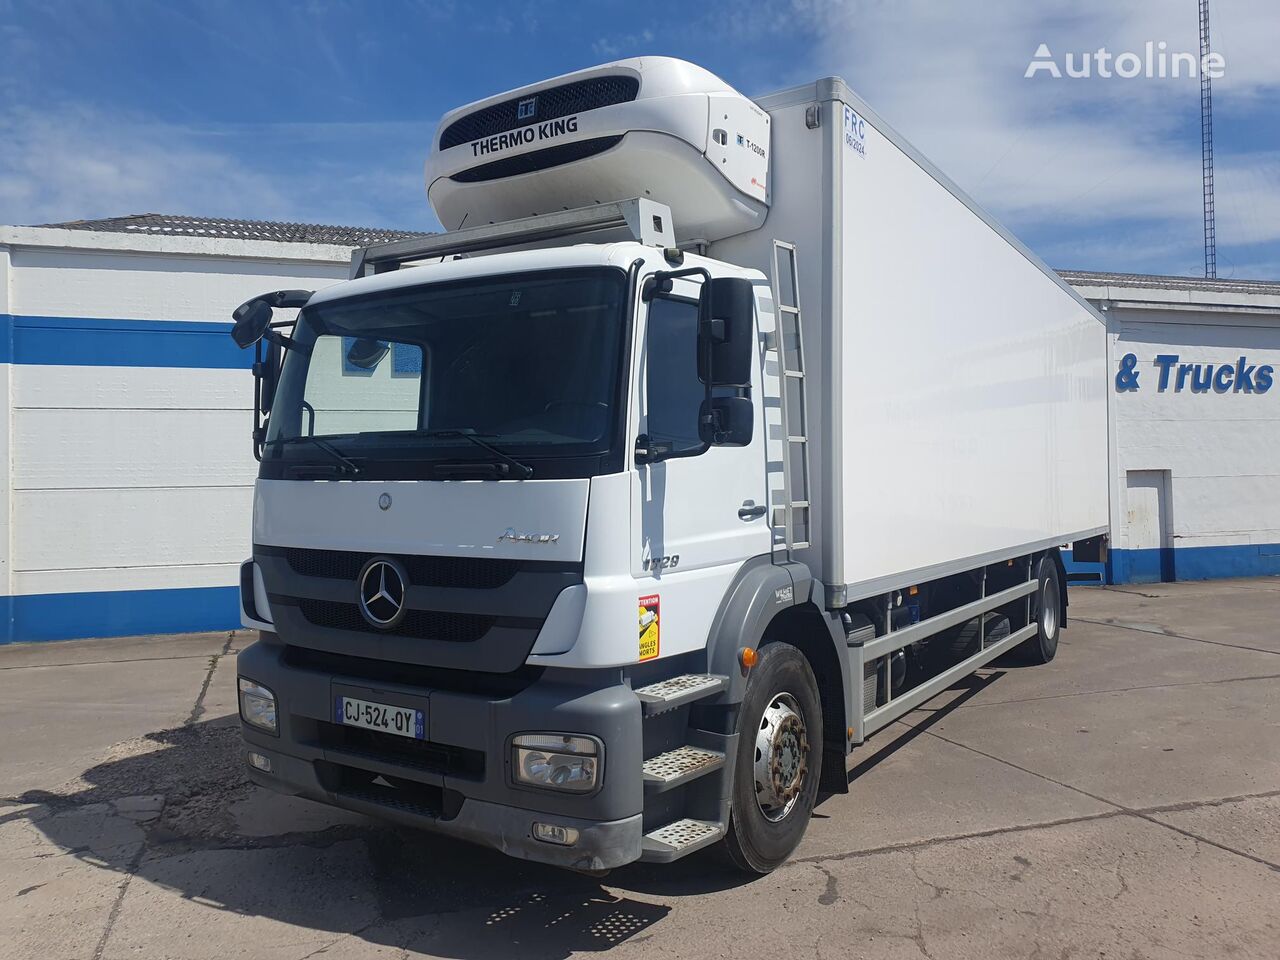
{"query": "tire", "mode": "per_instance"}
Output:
(1043, 647)
(765, 826)
(949, 647)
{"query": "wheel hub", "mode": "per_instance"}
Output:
(1049, 610)
(782, 757)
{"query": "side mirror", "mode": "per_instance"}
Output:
(253, 317)
(251, 321)
(366, 353)
(726, 422)
(725, 340)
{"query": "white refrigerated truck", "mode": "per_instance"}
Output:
(711, 436)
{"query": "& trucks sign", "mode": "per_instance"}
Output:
(1174, 376)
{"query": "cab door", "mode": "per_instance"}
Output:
(699, 514)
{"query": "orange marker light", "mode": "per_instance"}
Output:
(747, 657)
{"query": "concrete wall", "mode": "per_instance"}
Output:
(129, 470)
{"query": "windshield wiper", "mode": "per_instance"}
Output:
(348, 465)
(523, 470)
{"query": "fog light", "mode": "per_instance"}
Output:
(557, 761)
(257, 706)
(554, 833)
(259, 762)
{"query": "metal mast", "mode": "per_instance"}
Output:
(1206, 149)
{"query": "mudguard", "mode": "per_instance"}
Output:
(1062, 579)
(761, 591)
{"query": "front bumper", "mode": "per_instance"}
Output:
(458, 781)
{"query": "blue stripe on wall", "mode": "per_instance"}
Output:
(120, 613)
(70, 616)
(1097, 572)
(1184, 563)
(96, 342)
(1156, 565)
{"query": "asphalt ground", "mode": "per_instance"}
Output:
(1123, 801)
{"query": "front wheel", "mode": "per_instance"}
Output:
(1043, 647)
(775, 779)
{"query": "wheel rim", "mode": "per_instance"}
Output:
(782, 757)
(1049, 609)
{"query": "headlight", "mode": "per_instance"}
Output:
(557, 761)
(257, 706)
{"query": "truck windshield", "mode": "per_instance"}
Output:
(403, 384)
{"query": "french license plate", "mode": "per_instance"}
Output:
(385, 717)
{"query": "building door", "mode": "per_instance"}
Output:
(1149, 558)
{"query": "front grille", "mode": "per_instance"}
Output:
(388, 748)
(476, 573)
(497, 686)
(425, 802)
(396, 793)
(421, 624)
(537, 160)
(550, 104)
(473, 612)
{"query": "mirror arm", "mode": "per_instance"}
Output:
(284, 340)
(651, 450)
(288, 298)
(656, 284)
(259, 434)
(644, 453)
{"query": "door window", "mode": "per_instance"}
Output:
(674, 392)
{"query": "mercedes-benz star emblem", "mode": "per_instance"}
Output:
(384, 501)
(382, 592)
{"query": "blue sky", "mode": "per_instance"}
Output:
(324, 111)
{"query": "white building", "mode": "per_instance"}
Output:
(127, 486)
(1195, 425)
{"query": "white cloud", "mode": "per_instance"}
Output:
(76, 163)
(1049, 151)
(623, 45)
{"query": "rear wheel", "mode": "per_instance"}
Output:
(775, 779)
(1043, 647)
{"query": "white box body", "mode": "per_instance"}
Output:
(957, 388)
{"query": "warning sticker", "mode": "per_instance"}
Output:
(649, 626)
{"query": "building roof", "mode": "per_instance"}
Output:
(171, 225)
(1124, 286)
(1171, 295)
(1145, 281)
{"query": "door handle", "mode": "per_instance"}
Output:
(749, 510)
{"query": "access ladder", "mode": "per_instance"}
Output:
(795, 419)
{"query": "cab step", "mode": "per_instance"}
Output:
(679, 839)
(676, 767)
(666, 695)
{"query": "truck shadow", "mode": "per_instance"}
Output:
(174, 809)
(965, 689)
